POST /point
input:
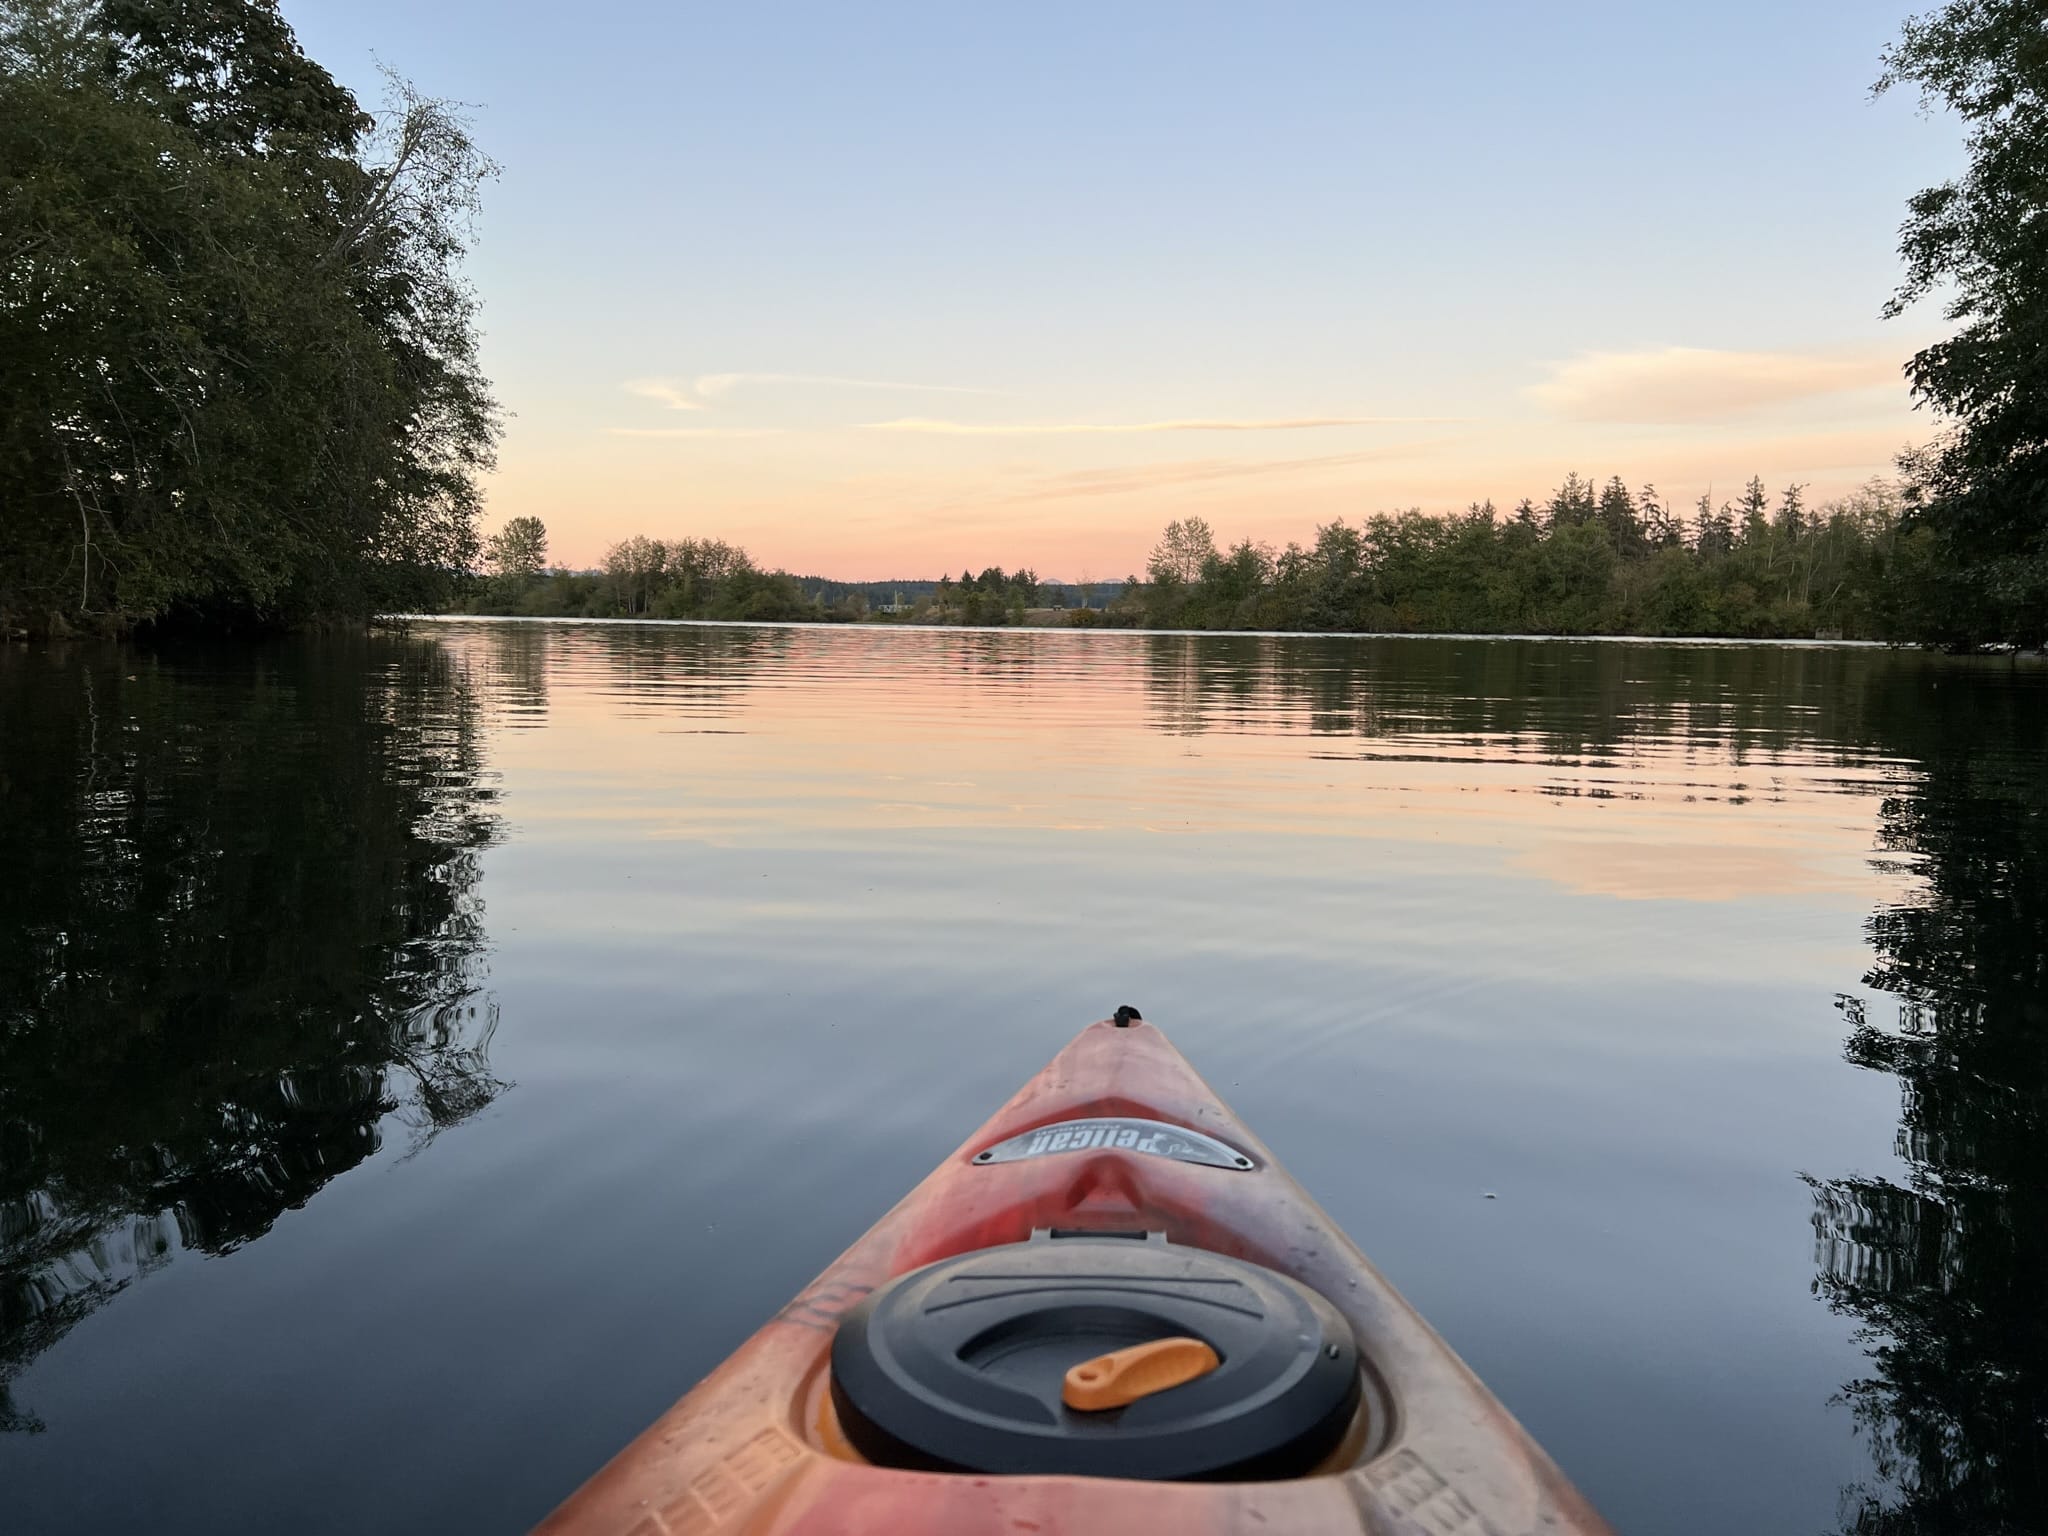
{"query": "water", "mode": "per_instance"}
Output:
(422, 1058)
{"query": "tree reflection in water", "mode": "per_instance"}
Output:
(1946, 1269)
(239, 946)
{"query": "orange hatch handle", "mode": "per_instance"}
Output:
(1125, 1375)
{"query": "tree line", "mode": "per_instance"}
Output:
(641, 578)
(1587, 560)
(692, 578)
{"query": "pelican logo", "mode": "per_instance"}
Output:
(1154, 1138)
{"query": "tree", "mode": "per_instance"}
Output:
(238, 374)
(1617, 513)
(1713, 532)
(519, 550)
(1792, 511)
(1982, 486)
(1571, 503)
(1754, 511)
(1661, 530)
(1233, 584)
(1183, 549)
(635, 568)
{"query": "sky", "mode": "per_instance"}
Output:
(893, 290)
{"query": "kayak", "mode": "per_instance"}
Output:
(1110, 1311)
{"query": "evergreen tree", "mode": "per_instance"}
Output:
(1617, 514)
(1661, 529)
(1570, 504)
(1792, 511)
(1713, 530)
(1753, 514)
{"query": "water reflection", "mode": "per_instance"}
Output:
(1945, 1268)
(239, 939)
(1724, 774)
(1566, 922)
(1558, 698)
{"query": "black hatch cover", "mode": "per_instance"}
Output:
(958, 1366)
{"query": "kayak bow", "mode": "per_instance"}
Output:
(1110, 1310)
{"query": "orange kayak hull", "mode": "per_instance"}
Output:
(755, 1449)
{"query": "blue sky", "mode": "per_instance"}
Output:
(1229, 242)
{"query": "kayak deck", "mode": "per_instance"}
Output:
(756, 1447)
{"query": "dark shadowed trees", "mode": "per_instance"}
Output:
(238, 376)
(1978, 240)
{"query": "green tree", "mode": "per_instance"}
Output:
(1175, 567)
(519, 550)
(1617, 514)
(1233, 586)
(1571, 504)
(1792, 511)
(238, 372)
(1982, 486)
(1661, 528)
(1753, 514)
(1713, 530)
(635, 569)
(1183, 550)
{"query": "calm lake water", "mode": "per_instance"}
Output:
(421, 1058)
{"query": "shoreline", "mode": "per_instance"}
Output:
(1104, 630)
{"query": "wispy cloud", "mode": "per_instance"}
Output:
(711, 385)
(693, 431)
(669, 392)
(926, 424)
(1133, 479)
(1682, 385)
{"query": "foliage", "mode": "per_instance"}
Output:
(238, 374)
(1182, 553)
(992, 598)
(1982, 241)
(519, 550)
(1588, 561)
(645, 578)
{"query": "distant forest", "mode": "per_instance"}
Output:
(1586, 560)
